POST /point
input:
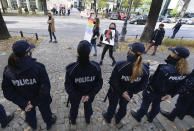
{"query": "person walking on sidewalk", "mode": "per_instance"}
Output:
(156, 39)
(163, 83)
(110, 47)
(176, 28)
(128, 77)
(68, 11)
(96, 34)
(4, 119)
(83, 81)
(51, 28)
(26, 84)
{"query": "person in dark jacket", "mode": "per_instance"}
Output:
(109, 47)
(176, 28)
(96, 34)
(26, 84)
(163, 83)
(185, 101)
(4, 119)
(157, 38)
(128, 78)
(68, 11)
(83, 81)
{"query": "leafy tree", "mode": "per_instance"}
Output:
(102, 4)
(125, 4)
(146, 5)
(175, 12)
(137, 4)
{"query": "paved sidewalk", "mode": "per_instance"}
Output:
(56, 57)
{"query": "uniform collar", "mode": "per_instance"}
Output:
(26, 63)
(171, 61)
(131, 58)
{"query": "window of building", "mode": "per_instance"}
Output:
(23, 3)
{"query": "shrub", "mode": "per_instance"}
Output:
(176, 42)
(26, 10)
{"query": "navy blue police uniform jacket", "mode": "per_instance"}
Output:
(158, 36)
(28, 81)
(187, 85)
(81, 81)
(178, 26)
(121, 76)
(165, 79)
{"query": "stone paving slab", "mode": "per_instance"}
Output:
(56, 57)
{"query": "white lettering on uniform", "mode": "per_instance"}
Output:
(177, 78)
(85, 79)
(24, 82)
(128, 78)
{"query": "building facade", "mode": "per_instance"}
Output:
(38, 4)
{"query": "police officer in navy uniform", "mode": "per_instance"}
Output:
(163, 83)
(128, 77)
(185, 101)
(82, 82)
(26, 84)
(4, 119)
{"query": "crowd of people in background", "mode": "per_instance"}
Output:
(62, 11)
(26, 82)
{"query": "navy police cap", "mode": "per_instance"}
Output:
(137, 47)
(84, 47)
(21, 47)
(180, 51)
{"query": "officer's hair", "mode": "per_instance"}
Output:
(13, 60)
(182, 66)
(137, 68)
(83, 60)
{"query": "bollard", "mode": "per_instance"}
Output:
(181, 37)
(168, 37)
(136, 36)
(22, 35)
(36, 36)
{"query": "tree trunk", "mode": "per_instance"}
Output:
(2, 6)
(95, 11)
(151, 21)
(45, 7)
(185, 6)
(4, 34)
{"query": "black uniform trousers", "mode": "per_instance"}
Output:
(3, 116)
(114, 100)
(110, 48)
(148, 99)
(46, 113)
(174, 33)
(184, 105)
(75, 101)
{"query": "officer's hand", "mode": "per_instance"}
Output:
(28, 107)
(126, 96)
(166, 97)
(85, 98)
